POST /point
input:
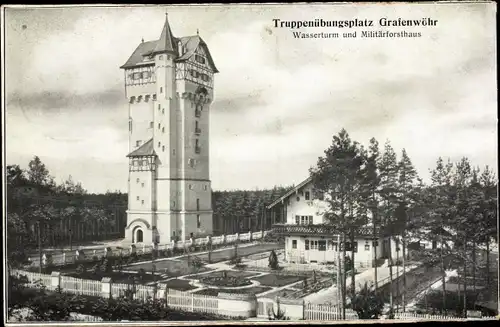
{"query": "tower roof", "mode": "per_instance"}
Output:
(144, 150)
(167, 42)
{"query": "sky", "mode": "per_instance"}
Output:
(278, 100)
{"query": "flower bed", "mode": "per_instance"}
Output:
(225, 281)
(251, 290)
(229, 273)
(277, 280)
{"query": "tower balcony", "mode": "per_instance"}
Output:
(197, 131)
(197, 113)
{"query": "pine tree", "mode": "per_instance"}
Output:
(407, 179)
(488, 224)
(338, 176)
(388, 193)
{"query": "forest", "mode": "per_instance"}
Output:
(60, 214)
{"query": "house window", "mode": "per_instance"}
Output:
(294, 244)
(322, 245)
(355, 247)
(301, 193)
(307, 195)
(198, 221)
(310, 220)
(307, 245)
(302, 220)
(314, 245)
(297, 220)
(151, 124)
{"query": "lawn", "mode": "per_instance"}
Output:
(227, 254)
(277, 280)
(180, 285)
(173, 268)
(116, 277)
(252, 290)
(230, 273)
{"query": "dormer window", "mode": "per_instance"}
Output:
(154, 97)
(199, 59)
(132, 99)
(146, 98)
(139, 98)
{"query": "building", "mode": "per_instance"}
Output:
(308, 239)
(169, 87)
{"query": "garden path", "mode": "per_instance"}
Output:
(329, 295)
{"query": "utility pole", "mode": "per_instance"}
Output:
(339, 299)
(39, 248)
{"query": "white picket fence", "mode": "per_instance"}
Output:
(71, 256)
(419, 316)
(175, 299)
(326, 312)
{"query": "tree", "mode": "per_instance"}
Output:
(406, 181)
(388, 193)
(440, 197)
(371, 185)
(38, 174)
(367, 303)
(338, 176)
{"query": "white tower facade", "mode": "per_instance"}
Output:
(169, 86)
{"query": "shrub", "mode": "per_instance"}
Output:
(367, 303)
(279, 314)
(81, 269)
(273, 260)
(235, 260)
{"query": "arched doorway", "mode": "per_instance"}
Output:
(137, 235)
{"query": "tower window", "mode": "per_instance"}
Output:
(158, 125)
(137, 180)
(159, 144)
(159, 106)
(163, 148)
(163, 111)
(161, 89)
(173, 204)
(142, 201)
(154, 97)
(197, 204)
(142, 184)
(151, 125)
(163, 129)
(198, 221)
(137, 198)
(139, 98)
(205, 187)
(190, 186)
(173, 152)
(132, 99)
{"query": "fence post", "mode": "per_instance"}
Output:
(55, 280)
(161, 292)
(106, 287)
(192, 302)
(303, 309)
(64, 258)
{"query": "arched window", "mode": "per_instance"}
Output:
(139, 236)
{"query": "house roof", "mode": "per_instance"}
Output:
(290, 193)
(147, 149)
(168, 43)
